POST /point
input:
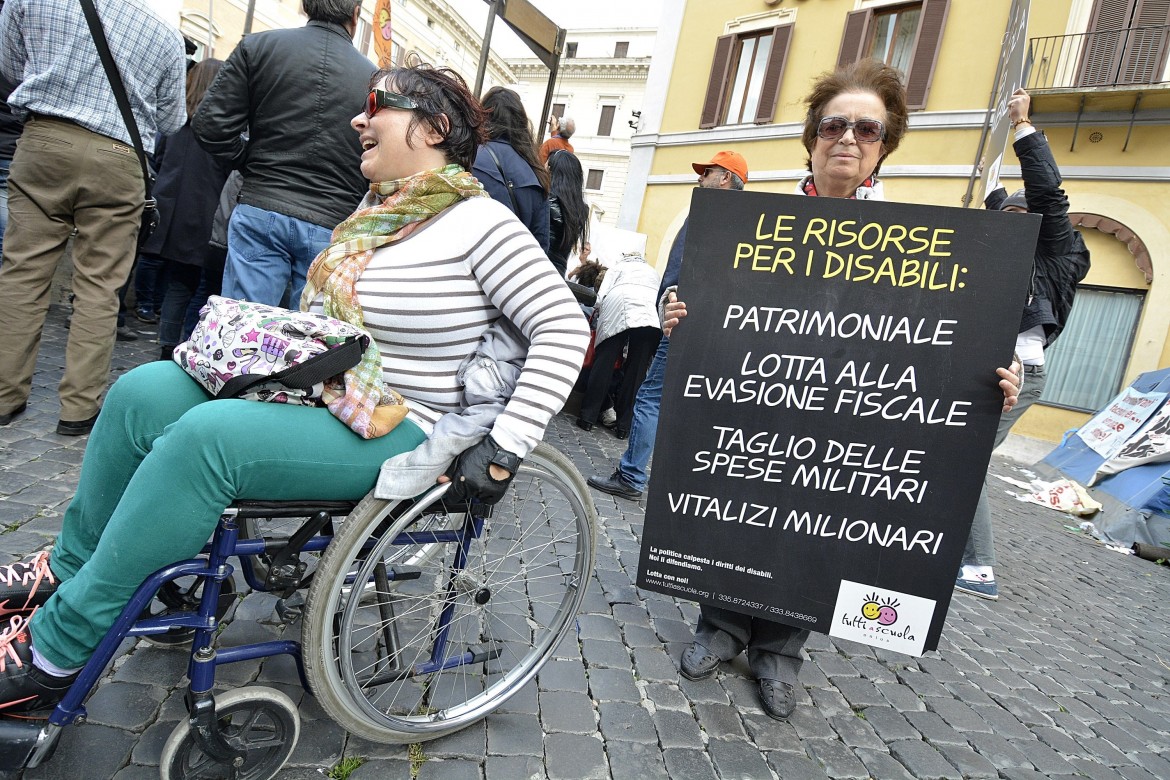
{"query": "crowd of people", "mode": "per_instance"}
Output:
(426, 194)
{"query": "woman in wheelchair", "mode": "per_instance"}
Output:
(470, 323)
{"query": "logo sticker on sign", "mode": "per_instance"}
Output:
(882, 618)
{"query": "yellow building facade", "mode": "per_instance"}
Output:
(733, 75)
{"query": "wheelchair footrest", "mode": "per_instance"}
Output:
(18, 739)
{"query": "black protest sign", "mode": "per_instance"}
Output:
(829, 408)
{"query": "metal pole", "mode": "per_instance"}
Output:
(493, 9)
(552, 78)
(210, 25)
(986, 129)
(248, 16)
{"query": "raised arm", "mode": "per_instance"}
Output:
(1041, 177)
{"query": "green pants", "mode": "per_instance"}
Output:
(161, 464)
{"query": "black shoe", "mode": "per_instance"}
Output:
(778, 699)
(125, 334)
(621, 433)
(26, 585)
(615, 487)
(698, 663)
(23, 687)
(76, 427)
(585, 426)
(146, 315)
(8, 417)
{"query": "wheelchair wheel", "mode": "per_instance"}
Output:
(262, 721)
(441, 633)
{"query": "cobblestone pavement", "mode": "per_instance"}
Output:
(1065, 676)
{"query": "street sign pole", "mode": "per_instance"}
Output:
(1010, 75)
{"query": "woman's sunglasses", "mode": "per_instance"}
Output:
(380, 98)
(865, 131)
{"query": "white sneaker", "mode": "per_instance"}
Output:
(609, 418)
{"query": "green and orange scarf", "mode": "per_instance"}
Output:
(390, 212)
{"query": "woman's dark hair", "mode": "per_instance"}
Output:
(568, 187)
(588, 274)
(445, 105)
(199, 78)
(508, 122)
(862, 76)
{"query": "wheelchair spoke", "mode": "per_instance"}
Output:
(420, 657)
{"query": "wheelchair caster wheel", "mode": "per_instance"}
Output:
(262, 722)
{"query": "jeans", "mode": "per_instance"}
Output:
(210, 283)
(161, 464)
(182, 281)
(269, 255)
(980, 549)
(148, 278)
(149, 283)
(636, 458)
(3, 203)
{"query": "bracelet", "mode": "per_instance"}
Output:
(1021, 121)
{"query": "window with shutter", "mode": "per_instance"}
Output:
(363, 35)
(770, 85)
(921, 71)
(570, 50)
(1126, 43)
(593, 180)
(605, 126)
(906, 37)
(558, 110)
(621, 50)
(856, 23)
(1144, 56)
(745, 77)
(717, 82)
(1103, 47)
(893, 36)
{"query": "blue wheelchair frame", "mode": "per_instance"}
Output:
(27, 744)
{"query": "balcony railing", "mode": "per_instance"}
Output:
(1133, 56)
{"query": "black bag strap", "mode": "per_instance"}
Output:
(115, 78)
(507, 181)
(313, 371)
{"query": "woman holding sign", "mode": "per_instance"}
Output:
(856, 117)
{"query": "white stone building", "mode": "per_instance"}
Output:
(601, 84)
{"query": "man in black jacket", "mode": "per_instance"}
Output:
(293, 92)
(1061, 261)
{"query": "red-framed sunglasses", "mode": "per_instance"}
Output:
(380, 98)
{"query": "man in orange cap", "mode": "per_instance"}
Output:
(725, 171)
(721, 164)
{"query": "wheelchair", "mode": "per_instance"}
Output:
(417, 621)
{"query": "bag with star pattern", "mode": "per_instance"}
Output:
(252, 351)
